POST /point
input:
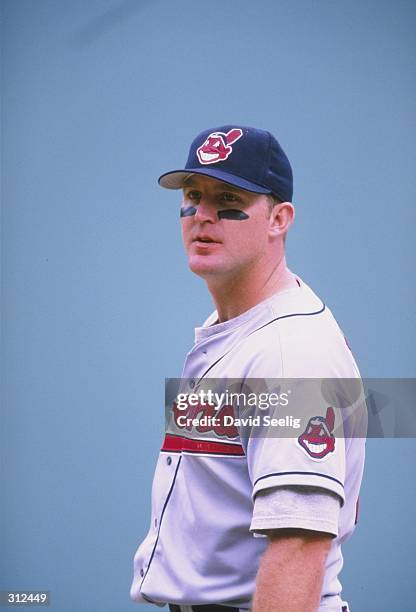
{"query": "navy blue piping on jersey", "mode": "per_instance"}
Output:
(160, 522)
(299, 473)
(295, 314)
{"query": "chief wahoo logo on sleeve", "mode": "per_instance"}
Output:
(317, 439)
(217, 146)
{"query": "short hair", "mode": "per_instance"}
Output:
(272, 201)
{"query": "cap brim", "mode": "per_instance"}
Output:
(176, 179)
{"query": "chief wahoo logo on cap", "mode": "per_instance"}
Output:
(217, 146)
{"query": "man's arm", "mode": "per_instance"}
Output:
(291, 571)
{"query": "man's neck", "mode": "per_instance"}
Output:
(238, 295)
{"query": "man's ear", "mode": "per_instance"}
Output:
(281, 218)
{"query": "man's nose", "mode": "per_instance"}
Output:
(206, 211)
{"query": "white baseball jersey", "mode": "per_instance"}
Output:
(199, 548)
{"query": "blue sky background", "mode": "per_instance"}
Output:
(98, 99)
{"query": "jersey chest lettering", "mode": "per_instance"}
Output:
(202, 419)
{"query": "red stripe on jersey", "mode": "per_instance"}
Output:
(177, 443)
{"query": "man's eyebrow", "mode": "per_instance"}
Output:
(190, 182)
(227, 187)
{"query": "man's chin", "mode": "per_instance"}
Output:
(202, 271)
(203, 268)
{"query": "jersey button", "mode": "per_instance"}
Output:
(192, 383)
(169, 460)
(142, 572)
(155, 523)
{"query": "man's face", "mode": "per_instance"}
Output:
(225, 230)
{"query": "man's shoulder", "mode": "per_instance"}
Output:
(294, 315)
(301, 339)
(292, 334)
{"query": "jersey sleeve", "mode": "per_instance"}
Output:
(282, 461)
(303, 443)
(297, 507)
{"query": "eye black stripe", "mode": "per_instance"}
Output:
(233, 214)
(187, 211)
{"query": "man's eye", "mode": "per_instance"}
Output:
(229, 197)
(193, 195)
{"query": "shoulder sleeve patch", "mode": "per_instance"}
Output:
(318, 439)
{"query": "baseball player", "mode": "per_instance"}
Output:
(242, 521)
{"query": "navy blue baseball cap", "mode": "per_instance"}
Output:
(245, 157)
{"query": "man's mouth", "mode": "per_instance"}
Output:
(205, 239)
